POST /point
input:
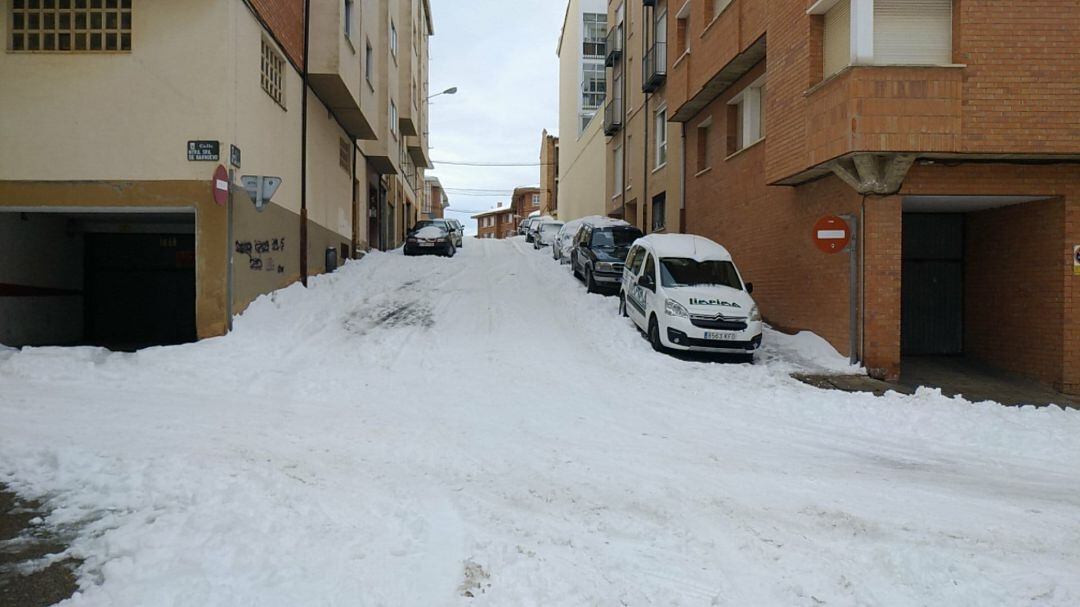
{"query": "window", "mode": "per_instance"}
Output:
(536, 200)
(660, 26)
(837, 38)
(70, 25)
(348, 18)
(912, 32)
(273, 73)
(682, 30)
(393, 39)
(650, 269)
(661, 137)
(369, 64)
(680, 272)
(393, 119)
(594, 35)
(715, 7)
(618, 165)
(593, 85)
(635, 259)
(659, 211)
(704, 145)
(886, 32)
(345, 155)
(746, 117)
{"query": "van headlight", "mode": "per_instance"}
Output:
(755, 314)
(674, 308)
(604, 266)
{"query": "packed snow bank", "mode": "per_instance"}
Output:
(806, 350)
(410, 429)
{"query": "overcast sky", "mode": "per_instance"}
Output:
(501, 56)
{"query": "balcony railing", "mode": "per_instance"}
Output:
(655, 67)
(613, 117)
(614, 46)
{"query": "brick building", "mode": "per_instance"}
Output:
(524, 202)
(497, 223)
(549, 175)
(947, 128)
(436, 201)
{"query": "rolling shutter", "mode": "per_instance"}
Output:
(837, 41)
(912, 32)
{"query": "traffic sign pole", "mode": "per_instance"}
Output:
(853, 289)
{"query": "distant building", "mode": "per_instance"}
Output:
(525, 202)
(435, 201)
(549, 175)
(497, 223)
(582, 89)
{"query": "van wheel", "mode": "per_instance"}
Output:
(654, 336)
(590, 284)
(622, 305)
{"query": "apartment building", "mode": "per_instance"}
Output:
(498, 223)
(549, 175)
(643, 153)
(525, 202)
(945, 130)
(435, 199)
(130, 131)
(582, 89)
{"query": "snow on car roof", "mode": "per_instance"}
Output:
(598, 221)
(687, 246)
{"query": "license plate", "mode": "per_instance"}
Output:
(427, 244)
(714, 336)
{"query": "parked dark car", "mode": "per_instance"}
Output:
(599, 253)
(430, 237)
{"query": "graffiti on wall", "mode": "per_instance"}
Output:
(259, 253)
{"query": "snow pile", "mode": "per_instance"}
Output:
(431, 232)
(808, 351)
(414, 431)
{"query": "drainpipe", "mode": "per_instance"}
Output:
(303, 147)
(682, 179)
(625, 115)
(645, 201)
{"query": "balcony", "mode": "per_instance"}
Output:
(613, 117)
(614, 47)
(334, 70)
(655, 68)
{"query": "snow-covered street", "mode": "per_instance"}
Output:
(413, 431)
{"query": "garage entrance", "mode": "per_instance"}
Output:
(972, 266)
(120, 280)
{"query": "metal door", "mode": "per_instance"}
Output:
(932, 284)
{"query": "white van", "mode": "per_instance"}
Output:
(685, 293)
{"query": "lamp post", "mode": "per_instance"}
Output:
(450, 91)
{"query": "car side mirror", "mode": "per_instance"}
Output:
(750, 288)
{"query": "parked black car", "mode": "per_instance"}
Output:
(430, 238)
(599, 253)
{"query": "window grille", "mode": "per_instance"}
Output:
(273, 73)
(70, 25)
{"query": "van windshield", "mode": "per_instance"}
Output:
(678, 272)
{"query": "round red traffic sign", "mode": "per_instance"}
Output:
(221, 186)
(832, 234)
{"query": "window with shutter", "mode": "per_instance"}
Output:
(837, 42)
(912, 32)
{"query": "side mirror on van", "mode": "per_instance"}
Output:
(750, 288)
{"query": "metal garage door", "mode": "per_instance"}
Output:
(932, 298)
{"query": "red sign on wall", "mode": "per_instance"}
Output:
(832, 234)
(221, 186)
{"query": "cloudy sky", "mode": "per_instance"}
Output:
(501, 56)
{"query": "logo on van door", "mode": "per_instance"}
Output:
(713, 302)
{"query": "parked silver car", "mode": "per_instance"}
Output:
(546, 233)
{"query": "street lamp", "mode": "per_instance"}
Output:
(450, 91)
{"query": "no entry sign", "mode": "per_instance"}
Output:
(221, 186)
(832, 234)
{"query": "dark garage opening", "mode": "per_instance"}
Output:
(932, 284)
(123, 281)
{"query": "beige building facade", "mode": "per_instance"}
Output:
(582, 89)
(111, 229)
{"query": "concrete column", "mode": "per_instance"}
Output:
(1070, 359)
(881, 256)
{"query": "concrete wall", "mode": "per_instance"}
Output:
(40, 253)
